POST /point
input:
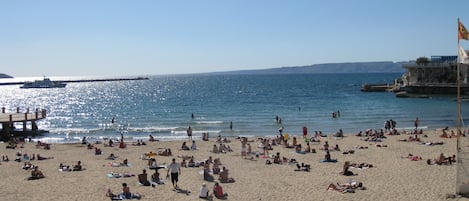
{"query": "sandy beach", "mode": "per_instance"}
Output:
(392, 177)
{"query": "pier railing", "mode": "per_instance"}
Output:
(18, 116)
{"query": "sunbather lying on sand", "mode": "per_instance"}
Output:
(412, 157)
(346, 187)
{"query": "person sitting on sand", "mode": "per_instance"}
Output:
(216, 168)
(39, 143)
(326, 145)
(111, 157)
(209, 160)
(336, 148)
(339, 133)
(184, 146)
(77, 167)
(224, 176)
(345, 170)
(64, 168)
(193, 146)
(5, 158)
(204, 192)
(155, 177)
(113, 196)
(303, 167)
(444, 134)
(298, 149)
(224, 148)
(126, 194)
(183, 163)
(204, 136)
(97, 151)
(218, 191)
(143, 178)
(165, 152)
(226, 140)
(151, 138)
(36, 173)
(27, 165)
(442, 160)
(216, 161)
(307, 148)
(140, 142)
(122, 144)
(152, 164)
(111, 143)
(215, 149)
(294, 142)
(327, 157)
(191, 162)
(207, 175)
(277, 158)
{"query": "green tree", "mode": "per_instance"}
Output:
(422, 60)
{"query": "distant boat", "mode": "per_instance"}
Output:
(44, 83)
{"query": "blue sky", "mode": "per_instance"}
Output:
(140, 37)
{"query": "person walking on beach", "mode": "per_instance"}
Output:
(189, 133)
(175, 170)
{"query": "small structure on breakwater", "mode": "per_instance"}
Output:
(378, 87)
(9, 119)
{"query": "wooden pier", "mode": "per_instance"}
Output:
(8, 120)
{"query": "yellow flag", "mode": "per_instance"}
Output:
(462, 31)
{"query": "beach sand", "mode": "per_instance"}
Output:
(392, 177)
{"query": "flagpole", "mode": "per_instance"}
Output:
(458, 116)
(458, 126)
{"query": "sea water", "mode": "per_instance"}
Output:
(164, 106)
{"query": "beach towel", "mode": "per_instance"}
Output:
(328, 161)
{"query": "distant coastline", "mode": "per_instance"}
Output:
(5, 76)
(346, 67)
(339, 68)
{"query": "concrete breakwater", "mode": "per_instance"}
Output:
(84, 80)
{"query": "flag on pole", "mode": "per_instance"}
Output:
(462, 31)
(462, 56)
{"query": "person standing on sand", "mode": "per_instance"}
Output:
(189, 133)
(175, 170)
(416, 123)
(305, 132)
(243, 147)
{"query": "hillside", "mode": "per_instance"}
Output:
(357, 67)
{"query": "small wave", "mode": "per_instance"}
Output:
(209, 122)
(413, 128)
(73, 130)
(59, 118)
(152, 129)
(195, 132)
